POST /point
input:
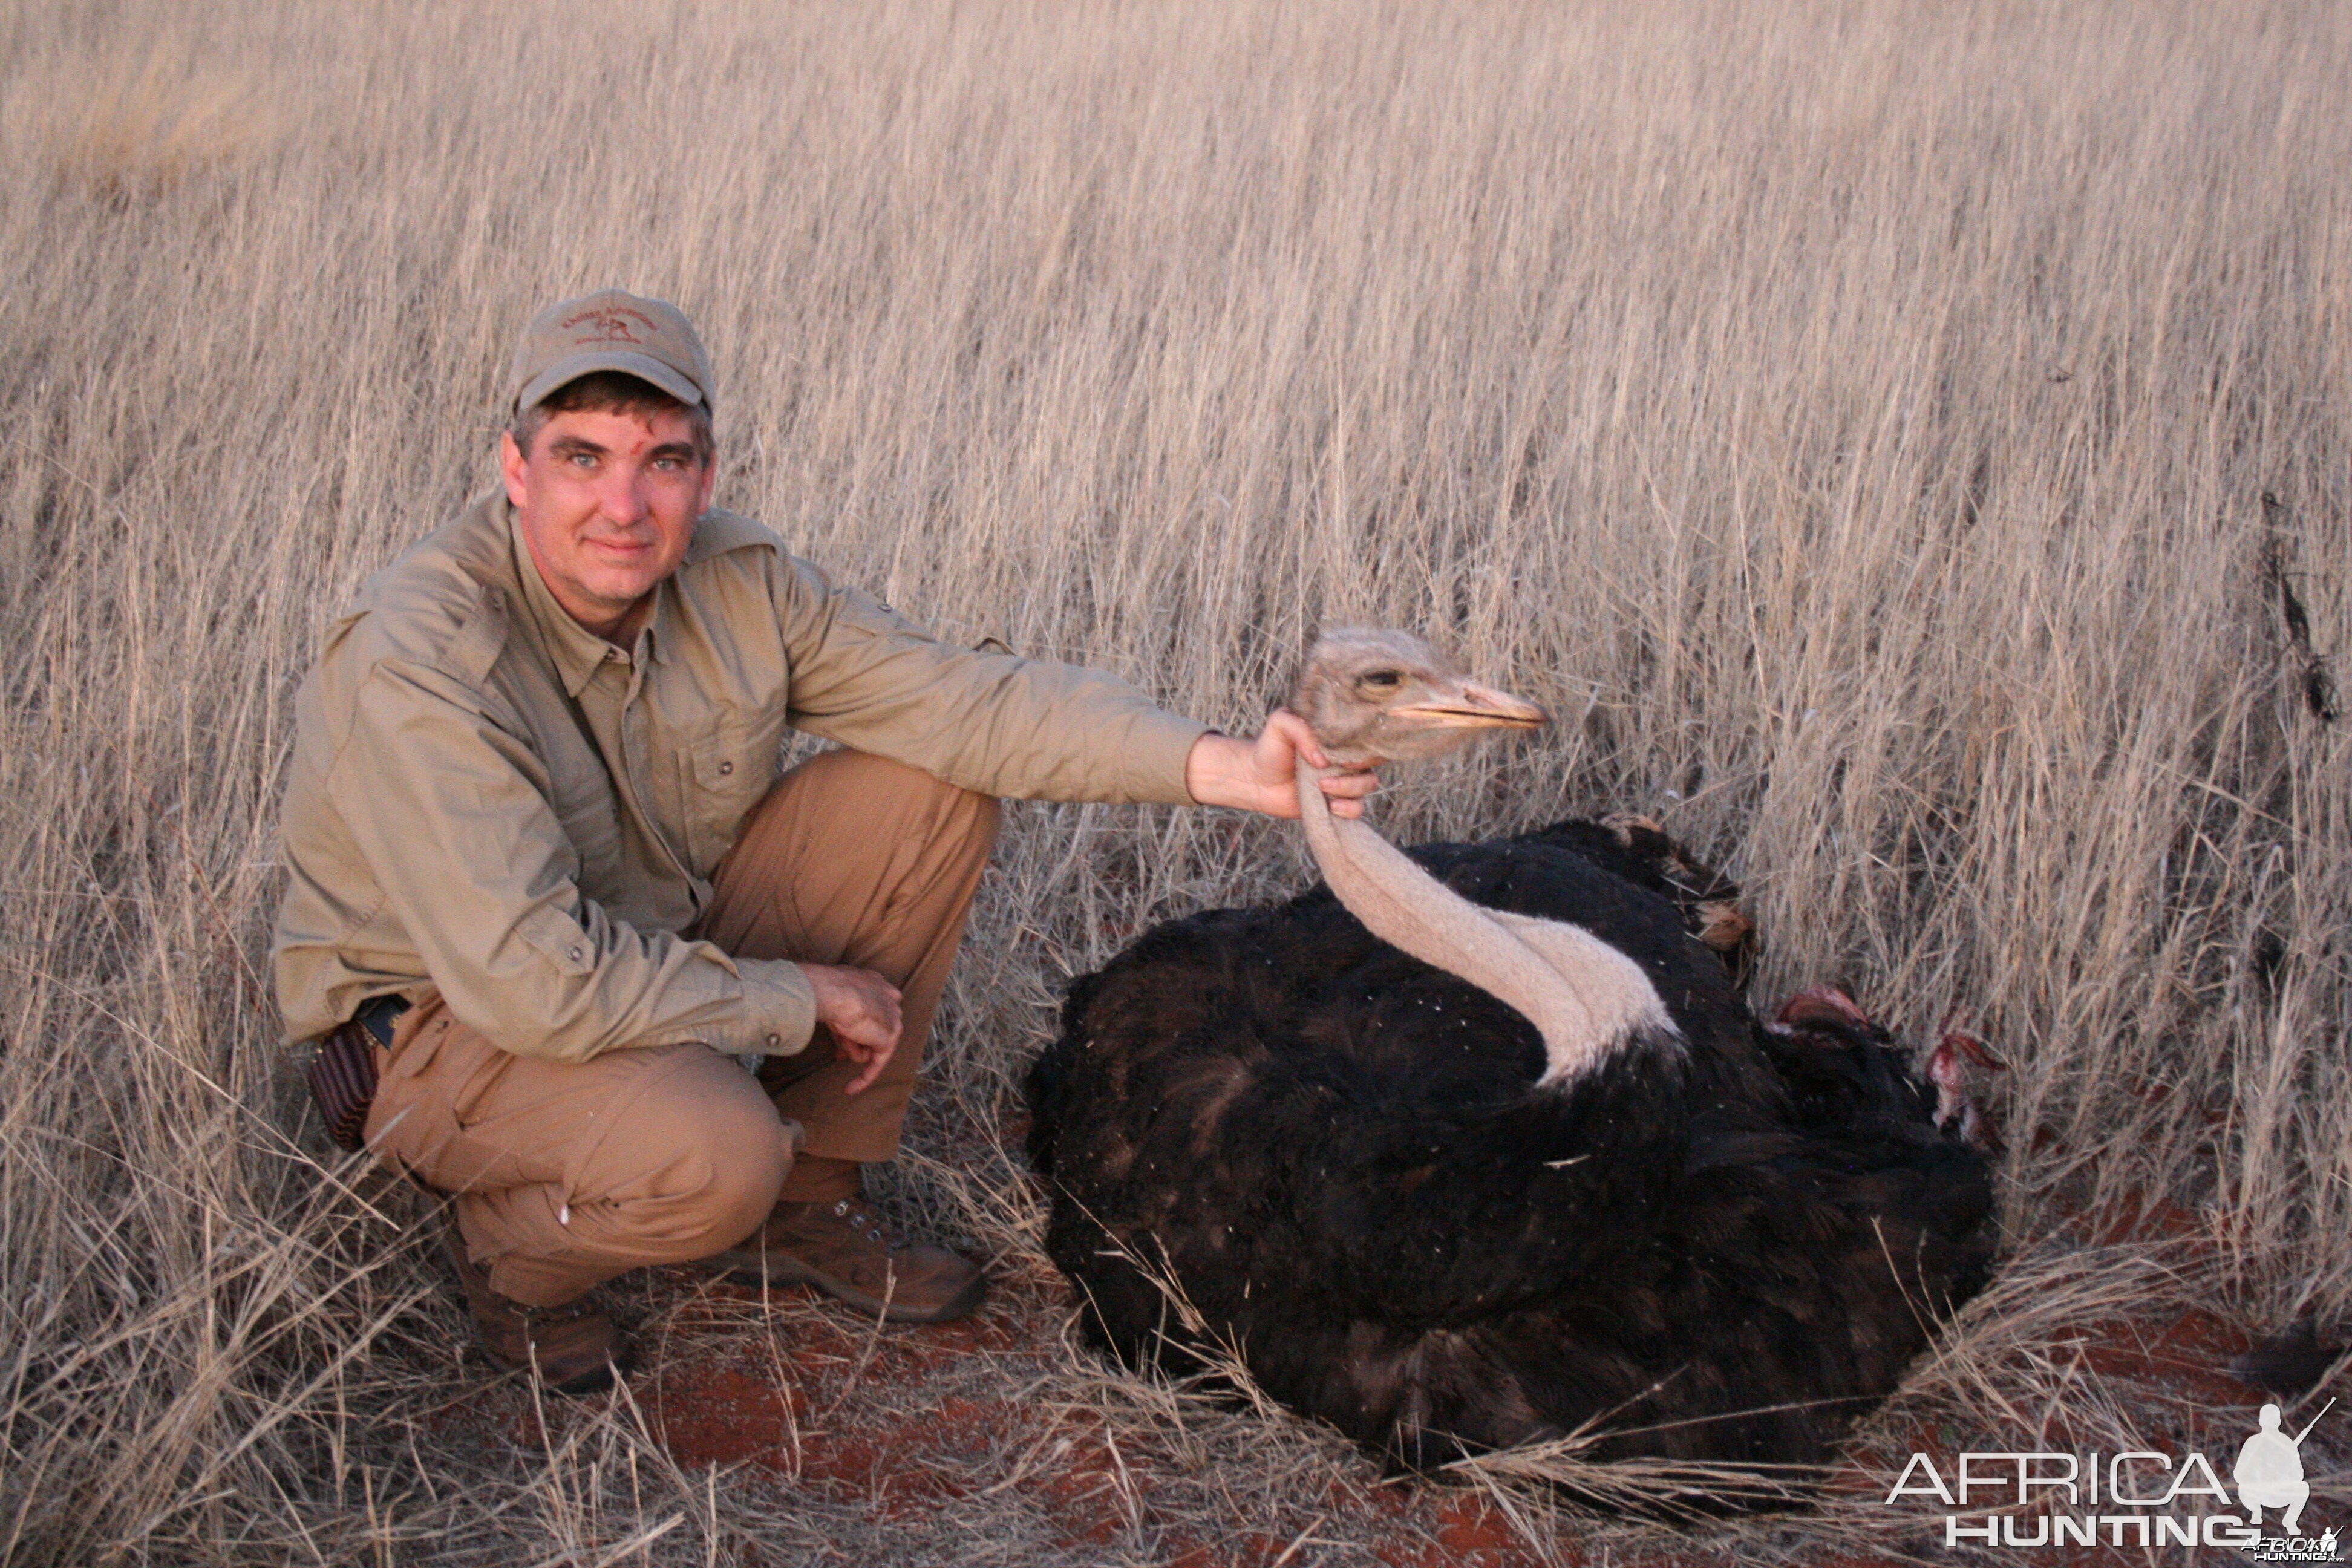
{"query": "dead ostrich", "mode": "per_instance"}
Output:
(1477, 1145)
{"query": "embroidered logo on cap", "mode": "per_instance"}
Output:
(606, 325)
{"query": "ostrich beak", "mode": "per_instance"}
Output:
(1470, 706)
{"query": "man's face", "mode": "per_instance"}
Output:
(606, 503)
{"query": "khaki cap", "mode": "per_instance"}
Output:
(611, 329)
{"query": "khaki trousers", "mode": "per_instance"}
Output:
(565, 1174)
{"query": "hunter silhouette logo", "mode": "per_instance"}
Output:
(2137, 1498)
(606, 325)
(2269, 1471)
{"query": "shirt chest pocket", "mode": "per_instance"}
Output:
(727, 772)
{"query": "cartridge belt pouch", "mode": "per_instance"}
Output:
(343, 1072)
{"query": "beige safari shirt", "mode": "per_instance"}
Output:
(488, 799)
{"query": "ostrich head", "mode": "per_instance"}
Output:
(1373, 695)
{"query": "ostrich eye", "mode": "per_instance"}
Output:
(1381, 681)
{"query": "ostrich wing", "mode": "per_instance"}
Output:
(1301, 1170)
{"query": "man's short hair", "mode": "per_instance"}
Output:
(611, 392)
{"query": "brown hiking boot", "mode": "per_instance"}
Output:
(848, 1253)
(574, 1348)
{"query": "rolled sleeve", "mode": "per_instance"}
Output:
(452, 815)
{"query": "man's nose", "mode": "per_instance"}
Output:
(622, 497)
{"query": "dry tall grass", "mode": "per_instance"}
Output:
(1892, 435)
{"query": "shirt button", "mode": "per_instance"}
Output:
(776, 1042)
(578, 954)
(726, 768)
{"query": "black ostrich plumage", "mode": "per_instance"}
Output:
(1722, 1251)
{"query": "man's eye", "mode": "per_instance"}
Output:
(667, 465)
(582, 460)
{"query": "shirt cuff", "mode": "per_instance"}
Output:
(779, 1008)
(1154, 754)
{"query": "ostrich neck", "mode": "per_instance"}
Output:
(1584, 996)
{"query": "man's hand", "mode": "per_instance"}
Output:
(1260, 772)
(861, 1008)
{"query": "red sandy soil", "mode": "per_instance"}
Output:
(905, 1423)
(843, 1414)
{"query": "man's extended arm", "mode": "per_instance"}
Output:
(868, 677)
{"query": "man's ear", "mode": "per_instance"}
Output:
(709, 482)
(514, 465)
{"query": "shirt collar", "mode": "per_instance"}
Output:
(578, 652)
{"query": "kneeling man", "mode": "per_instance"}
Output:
(540, 854)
